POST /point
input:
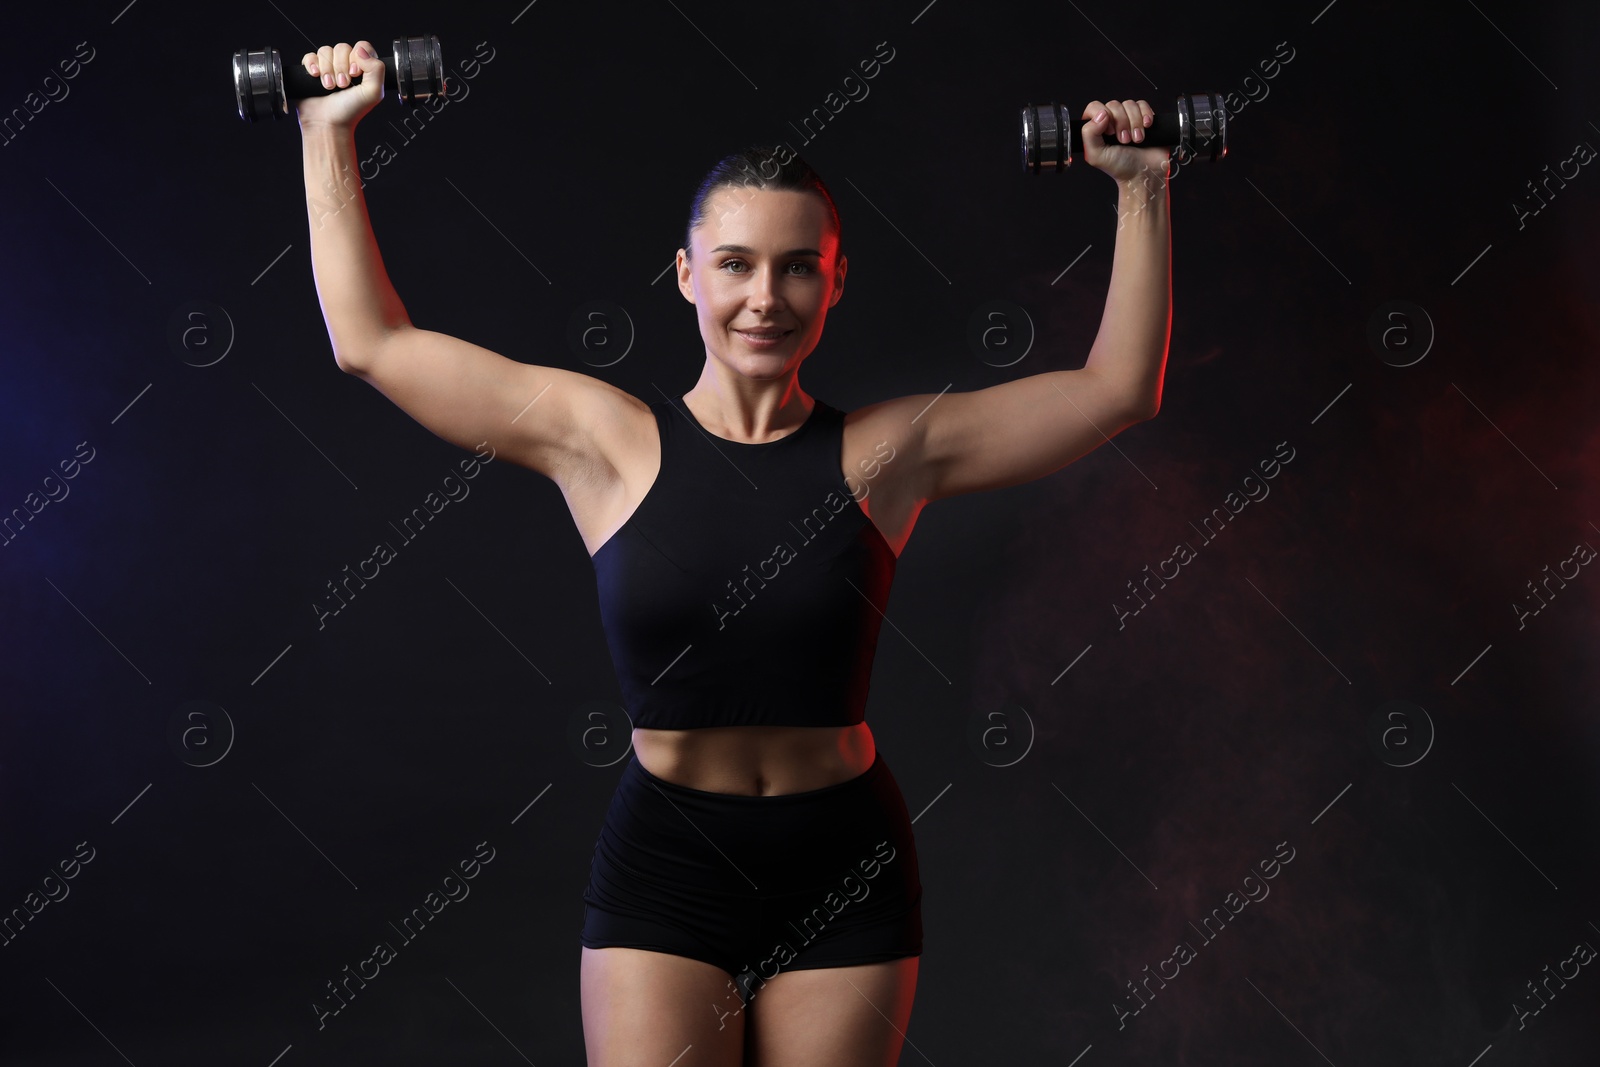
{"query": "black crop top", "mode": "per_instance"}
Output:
(748, 585)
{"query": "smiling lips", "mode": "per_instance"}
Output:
(763, 338)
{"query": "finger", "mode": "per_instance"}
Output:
(341, 64)
(1149, 116)
(364, 58)
(1099, 121)
(1135, 120)
(1118, 123)
(1132, 121)
(309, 61)
(325, 65)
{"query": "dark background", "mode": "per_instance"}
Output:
(1444, 848)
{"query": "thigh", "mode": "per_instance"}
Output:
(644, 1007)
(832, 1016)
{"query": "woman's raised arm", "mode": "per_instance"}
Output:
(539, 417)
(1032, 426)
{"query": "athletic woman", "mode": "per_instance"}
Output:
(753, 897)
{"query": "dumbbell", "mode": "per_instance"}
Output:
(263, 86)
(1197, 125)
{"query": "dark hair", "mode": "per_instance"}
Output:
(759, 167)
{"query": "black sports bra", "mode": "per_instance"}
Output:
(748, 586)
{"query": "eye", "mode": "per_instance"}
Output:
(729, 264)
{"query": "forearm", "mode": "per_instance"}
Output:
(1131, 346)
(359, 305)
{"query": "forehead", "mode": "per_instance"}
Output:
(769, 220)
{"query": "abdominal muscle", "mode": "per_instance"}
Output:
(756, 760)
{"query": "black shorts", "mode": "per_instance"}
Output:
(757, 884)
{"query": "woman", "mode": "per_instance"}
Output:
(756, 841)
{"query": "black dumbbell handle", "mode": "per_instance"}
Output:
(1162, 132)
(299, 83)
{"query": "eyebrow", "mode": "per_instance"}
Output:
(748, 251)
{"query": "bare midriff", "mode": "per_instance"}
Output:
(756, 760)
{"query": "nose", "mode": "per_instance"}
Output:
(764, 295)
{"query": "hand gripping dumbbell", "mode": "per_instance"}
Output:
(1197, 125)
(263, 86)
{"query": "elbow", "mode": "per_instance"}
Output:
(357, 356)
(1150, 403)
(351, 362)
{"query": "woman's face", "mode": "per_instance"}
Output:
(765, 262)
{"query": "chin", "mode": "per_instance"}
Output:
(758, 367)
(762, 369)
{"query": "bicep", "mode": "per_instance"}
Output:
(469, 395)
